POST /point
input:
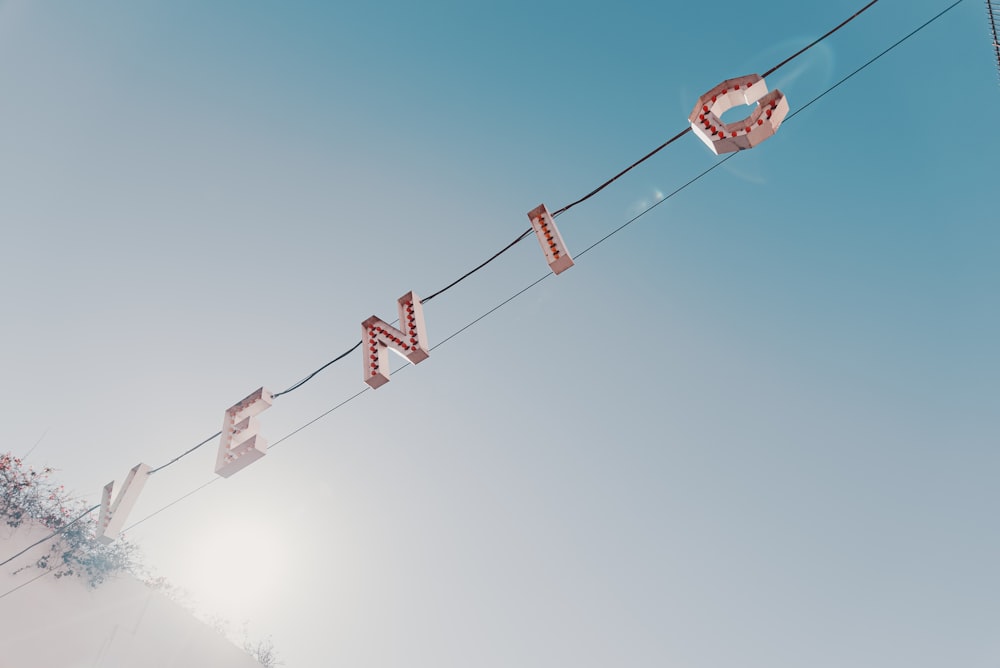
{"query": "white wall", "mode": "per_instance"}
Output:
(64, 623)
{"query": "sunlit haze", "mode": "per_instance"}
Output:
(755, 427)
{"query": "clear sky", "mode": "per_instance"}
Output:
(756, 428)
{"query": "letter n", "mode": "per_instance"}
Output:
(378, 338)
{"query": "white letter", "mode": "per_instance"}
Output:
(240, 444)
(548, 236)
(761, 124)
(113, 515)
(378, 338)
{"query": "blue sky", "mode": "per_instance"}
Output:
(757, 427)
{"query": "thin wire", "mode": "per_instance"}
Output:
(506, 248)
(321, 416)
(310, 376)
(32, 448)
(908, 36)
(653, 206)
(51, 535)
(624, 171)
(185, 454)
(495, 308)
(25, 584)
(814, 43)
(175, 501)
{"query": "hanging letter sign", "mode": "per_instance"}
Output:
(548, 236)
(378, 338)
(112, 516)
(761, 124)
(240, 444)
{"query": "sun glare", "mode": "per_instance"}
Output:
(235, 569)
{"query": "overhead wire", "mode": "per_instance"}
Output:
(897, 43)
(623, 172)
(505, 301)
(26, 583)
(313, 374)
(37, 443)
(185, 453)
(458, 280)
(817, 40)
(171, 504)
(51, 535)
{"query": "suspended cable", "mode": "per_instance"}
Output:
(900, 41)
(185, 454)
(313, 374)
(51, 535)
(817, 41)
(503, 250)
(32, 448)
(653, 206)
(25, 584)
(624, 171)
(172, 503)
(322, 415)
